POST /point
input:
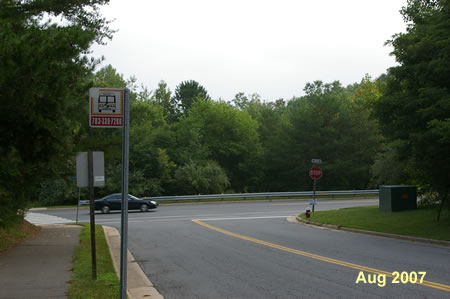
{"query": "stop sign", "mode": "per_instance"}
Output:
(315, 172)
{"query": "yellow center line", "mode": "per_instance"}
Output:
(430, 284)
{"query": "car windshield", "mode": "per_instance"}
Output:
(133, 197)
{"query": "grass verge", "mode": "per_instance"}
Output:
(82, 286)
(16, 234)
(418, 223)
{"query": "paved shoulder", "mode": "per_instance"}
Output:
(40, 267)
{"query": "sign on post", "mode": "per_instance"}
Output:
(82, 169)
(106, 107)
(315, 172)
(110, 108)
(91, 173)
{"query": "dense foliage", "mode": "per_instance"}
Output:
(389, 130)
(245, 145)
(43, 71)
(414, 111)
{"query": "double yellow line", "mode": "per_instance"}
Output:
(430, 284)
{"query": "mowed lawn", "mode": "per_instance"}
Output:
(419, 223)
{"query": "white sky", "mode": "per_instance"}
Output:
(271, 47)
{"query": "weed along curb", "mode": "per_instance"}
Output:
(139, 286)
(379, 234)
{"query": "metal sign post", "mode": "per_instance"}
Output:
(314, 195)
(124, 218)
(78, 203)
(315, 173)
(110, 108)
(91, 210)
(90, 173)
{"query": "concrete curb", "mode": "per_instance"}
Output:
(138, 284)
(379, 234)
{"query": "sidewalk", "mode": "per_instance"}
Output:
(40, 267)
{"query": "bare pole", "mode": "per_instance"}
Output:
(124, 218)
(92, 215)
(314, 195)
(78, 203)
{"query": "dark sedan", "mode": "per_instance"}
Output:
(114, 202)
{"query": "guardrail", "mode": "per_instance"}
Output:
(266, 195)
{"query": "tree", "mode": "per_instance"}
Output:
(43, 74)
(108, 77)
(225, 135)
(187, 93)
(201, 178)
(415, 108)
(323, 124)
(163, 96)
(268, 116)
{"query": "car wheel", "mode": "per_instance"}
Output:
(144, 208)
(105, 209)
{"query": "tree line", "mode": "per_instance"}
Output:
(394, 129)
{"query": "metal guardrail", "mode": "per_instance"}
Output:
(263, 195)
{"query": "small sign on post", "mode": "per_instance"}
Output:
(315, 173)
(110, 108)
(106, 107)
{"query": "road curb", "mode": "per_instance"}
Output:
(379, 234)
(138, 284)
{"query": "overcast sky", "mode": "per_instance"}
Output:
(271, 47)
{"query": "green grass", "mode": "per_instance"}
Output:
(82, 286)
(419, 223)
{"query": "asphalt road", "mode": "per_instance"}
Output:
(250, 250)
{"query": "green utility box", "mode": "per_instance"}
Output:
(398, 198)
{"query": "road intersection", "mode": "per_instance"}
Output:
(249, 250)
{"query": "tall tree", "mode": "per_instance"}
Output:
(43, 71)
(187, 93)
(415, 108)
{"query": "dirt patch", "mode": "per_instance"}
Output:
(15, 235)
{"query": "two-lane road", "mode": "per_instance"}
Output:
(250, 250)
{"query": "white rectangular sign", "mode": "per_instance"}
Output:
(98, 169)
(316, 161)
(106, 107)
